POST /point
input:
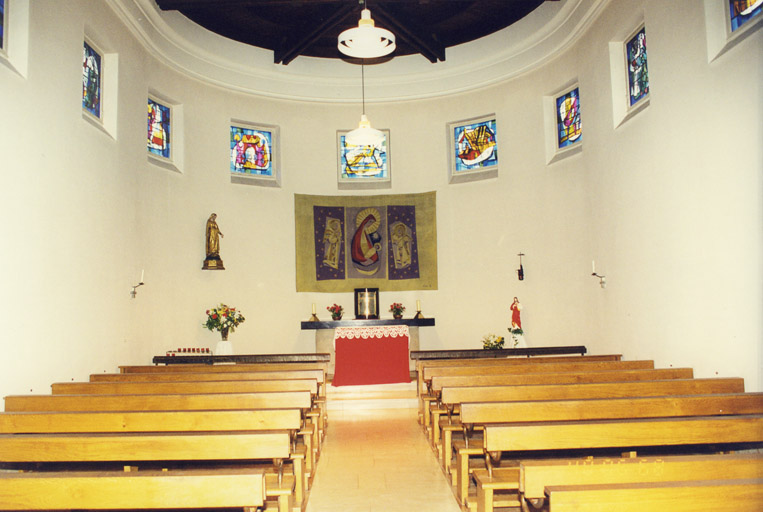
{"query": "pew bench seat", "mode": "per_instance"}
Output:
(687, 496)
(149, 490)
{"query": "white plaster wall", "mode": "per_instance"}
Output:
(669, 205)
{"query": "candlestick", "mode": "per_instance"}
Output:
(314, 317)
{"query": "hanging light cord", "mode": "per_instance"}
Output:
(363, 83)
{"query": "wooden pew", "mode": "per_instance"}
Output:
(171, 421)
(439, 382)
(590, 409)
(212, 401)
(561, 392)
(461, 395)
(23, 449)
(200, 376)
(536, 475)
(261, 371)
(691, 496)
(663, 433)
(150, 490)
(421, 364)
(169, 388)
(549, 367)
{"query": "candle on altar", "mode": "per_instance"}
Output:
(593, 266)
(142, 273)
(313, 307)
(365, 305)
(418, 305)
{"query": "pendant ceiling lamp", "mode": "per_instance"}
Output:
(364, 134)
(366, 41)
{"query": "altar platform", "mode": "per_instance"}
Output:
(372, 397)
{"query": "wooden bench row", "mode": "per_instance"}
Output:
(535, 409)
(194, 420)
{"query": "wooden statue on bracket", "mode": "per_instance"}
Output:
(213, 260)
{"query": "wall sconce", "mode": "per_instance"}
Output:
(602, 279)
(134, 291)
(521, 270)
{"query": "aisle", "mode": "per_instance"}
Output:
(378, 460)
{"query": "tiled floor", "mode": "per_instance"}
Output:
(378, 460)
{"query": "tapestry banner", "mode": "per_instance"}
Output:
(346, 242)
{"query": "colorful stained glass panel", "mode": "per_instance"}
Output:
(742, 11)
(2, 24)
(91, 80)
(159, 117)
(569, 127)
(638, 74)
(475, 146)
(251, 151)
(363, 162)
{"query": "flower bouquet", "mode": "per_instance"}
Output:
(336, 311)
(397, 309)
(224, 319)
(492, 342)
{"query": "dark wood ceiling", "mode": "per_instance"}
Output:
(310, 27)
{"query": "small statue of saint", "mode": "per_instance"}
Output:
(213, 260)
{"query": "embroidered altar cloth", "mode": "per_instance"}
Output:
(371, 355)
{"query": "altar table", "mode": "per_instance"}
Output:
(371, 355)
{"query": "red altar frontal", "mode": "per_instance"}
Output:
(371, 355)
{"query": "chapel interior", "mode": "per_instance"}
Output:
(665, 200)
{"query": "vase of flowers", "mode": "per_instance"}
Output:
(396, 309)
(336, 311)
(224, 319)
(492, 342)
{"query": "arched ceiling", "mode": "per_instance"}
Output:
(291, 28)
(547, 30)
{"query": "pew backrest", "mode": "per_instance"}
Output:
(168, 388)
(149, 421)
(438, 382)
(211, 401)
(611, 408)
(561, 367)
(535, 475)
(196, 446)
(592, 434)
(457, 395)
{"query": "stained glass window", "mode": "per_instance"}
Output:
(251, 151)
(363, 162)
(158, 129)
(475, 145)
(638, 74)
(2, 24)
(569, 128)
(91, 80)
(742, 11)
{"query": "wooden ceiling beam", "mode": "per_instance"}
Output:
(428, 46)
(285, 54)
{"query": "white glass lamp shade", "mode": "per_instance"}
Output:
(366, 41)
(364, 134)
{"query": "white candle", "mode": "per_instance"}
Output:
(593, 266)
(418, 305)
(313, 307)
(365, 302)
(142, 273)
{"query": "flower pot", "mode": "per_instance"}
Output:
(224, 348)
(336, 317)
(397, 317)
